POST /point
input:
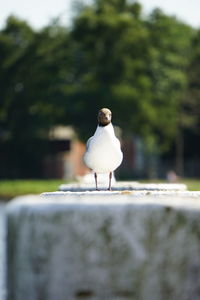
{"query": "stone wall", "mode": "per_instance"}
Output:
(104, 246)
(2, 254)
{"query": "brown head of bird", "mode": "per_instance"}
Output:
(104, 117)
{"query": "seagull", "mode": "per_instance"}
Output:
(103, 152)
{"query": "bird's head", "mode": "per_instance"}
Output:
(104, 116)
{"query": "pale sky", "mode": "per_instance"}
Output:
(39, 13)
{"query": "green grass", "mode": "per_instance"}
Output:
(192, 184)
(12, 188)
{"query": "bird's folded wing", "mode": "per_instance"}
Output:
(88, 143)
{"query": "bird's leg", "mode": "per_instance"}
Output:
(95, 176)
(110, 177)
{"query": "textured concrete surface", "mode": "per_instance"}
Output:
(2, 254)
(123, 185)
(104, 246)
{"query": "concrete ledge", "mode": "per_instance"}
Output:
(124, 185)
(105, 246)
(2, 254)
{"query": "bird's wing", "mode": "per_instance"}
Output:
(88, 143)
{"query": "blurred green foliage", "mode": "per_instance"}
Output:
(145, 69)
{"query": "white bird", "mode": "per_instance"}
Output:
(103, 152)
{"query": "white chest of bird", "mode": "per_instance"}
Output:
(103, 154)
